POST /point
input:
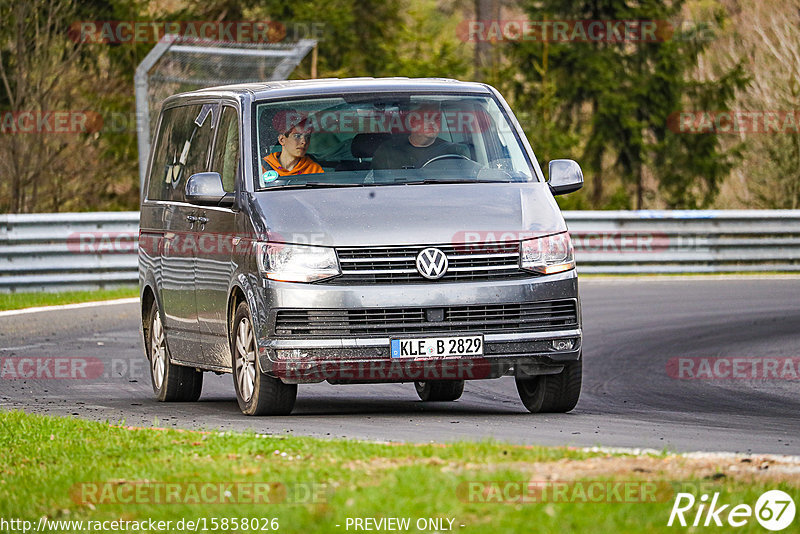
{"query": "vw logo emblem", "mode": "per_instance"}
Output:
(432, 263)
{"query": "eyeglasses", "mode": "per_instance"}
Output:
(299, 137)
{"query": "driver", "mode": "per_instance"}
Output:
(420, 146)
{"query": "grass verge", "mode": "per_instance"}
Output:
(18, 301)
(68, 469)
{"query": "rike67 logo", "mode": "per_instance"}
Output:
(774, 510)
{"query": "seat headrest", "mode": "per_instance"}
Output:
(268, 134)
(364, 145)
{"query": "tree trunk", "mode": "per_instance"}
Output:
(639, 188)
(483, 58)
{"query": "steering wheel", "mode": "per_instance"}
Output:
(444, 156)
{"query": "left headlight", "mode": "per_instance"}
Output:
(296, 263)
(548, 255)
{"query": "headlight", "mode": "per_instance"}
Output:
(548, 255)
(296, 263)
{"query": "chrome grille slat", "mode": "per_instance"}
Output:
(376, 259)
(527, 317)
(379, 271)
(476, 268)
(421, 320)
(468, 262)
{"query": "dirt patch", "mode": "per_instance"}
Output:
(672, 467)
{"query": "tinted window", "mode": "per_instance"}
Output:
(182, 149)
(226, 150)
(157, 189)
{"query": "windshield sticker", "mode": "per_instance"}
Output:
(269, 176)
(204, 113)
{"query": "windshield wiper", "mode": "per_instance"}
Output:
(459, 181)
(312, 185)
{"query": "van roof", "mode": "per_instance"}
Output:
(292, 88)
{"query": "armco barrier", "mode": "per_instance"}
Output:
(41, 251)
(703, 241)
(46, 251)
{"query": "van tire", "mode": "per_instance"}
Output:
(439, 390)
(557, 393)
(256, 392)
(171, 382)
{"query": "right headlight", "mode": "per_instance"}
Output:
(296, 263)
(548, 255)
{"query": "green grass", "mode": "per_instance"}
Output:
(17, 301)
(44, 461)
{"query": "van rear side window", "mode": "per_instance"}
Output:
(226, 150)
(182, 149)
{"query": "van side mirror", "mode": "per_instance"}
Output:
(205, 188)
(566, 176)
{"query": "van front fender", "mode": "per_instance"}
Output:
(254, 295)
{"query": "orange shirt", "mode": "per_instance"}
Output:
(306, 165)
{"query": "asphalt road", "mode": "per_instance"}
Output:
(633, 327)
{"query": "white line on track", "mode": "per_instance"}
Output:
(23, 311)
(612, 279)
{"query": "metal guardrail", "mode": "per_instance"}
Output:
(685, 241)
(90, 250)
(43, 251)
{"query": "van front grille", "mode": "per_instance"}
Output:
(484, 319)
(467, 262)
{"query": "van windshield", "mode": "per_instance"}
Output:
(386, 139)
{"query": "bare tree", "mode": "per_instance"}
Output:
(767, 36)
(39, 74)
(484, 58)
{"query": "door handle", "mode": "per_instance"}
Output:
(202, 220)
(191, 218)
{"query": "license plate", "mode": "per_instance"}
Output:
(437, 346)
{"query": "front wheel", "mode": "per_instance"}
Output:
(257, 393)
(557, 393)
(170, 382)
(439, 390)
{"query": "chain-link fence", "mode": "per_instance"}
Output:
(178, 64)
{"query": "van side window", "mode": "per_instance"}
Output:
(157, 187)
(182, 150)
(226, 149)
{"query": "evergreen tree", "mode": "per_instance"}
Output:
(618, 96)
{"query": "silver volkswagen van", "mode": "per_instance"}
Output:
(355, 231)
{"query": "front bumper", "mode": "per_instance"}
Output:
(368, 359)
